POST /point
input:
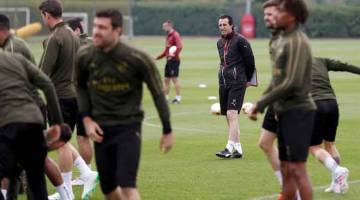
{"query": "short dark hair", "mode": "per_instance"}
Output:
(231, 22)
(115, 16)
(75, 23)
(4, 21)
(298, 8)
(169, 22)
(53, 7)
(270, 3)
(65, 133)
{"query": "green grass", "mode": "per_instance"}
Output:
(191, 171)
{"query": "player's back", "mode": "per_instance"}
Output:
(16, 103)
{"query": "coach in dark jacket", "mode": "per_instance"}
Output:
(237, 66)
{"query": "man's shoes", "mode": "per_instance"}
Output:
(236, 154)
(224, 154)
(90, 183)
(341, 176)
(175, 101)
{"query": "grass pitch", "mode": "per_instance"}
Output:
(191, 171)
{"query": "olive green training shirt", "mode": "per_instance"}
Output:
(321, 87)
(15, 44)
(58, 59)
(16, 103)
(110, 85)
(291, 74)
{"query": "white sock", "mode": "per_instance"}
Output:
(230, 146)
(178, 97)
(298, 197)
(67, 180)
(278, 176)
(64, 192)
(80, 164)
(331, 164)
(238, 148)
(4, 193)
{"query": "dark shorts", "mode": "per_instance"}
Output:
(172, 68)
(117, 157)
(294, 135)
(231, 98)
(69, 109)
(326, 121)
(24, 144)
(270, 123)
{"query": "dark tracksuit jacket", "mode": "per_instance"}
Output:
(110, 85)
(237, 62)
(58, 59)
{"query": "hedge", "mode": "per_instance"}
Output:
(324, 21)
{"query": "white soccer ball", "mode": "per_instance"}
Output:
(172, 50)
(246, 107)
(215, 109)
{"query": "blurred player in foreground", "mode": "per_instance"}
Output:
(110, 80)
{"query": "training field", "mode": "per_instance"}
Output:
(191, 171)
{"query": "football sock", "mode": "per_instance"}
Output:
(178, 97)
(80, 164)
(331, 164)
(238, 147)
(4, 193)
(62, 190)
(230, 146)
(67, 180)
(278, 176)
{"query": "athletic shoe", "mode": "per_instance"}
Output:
(56, 196)
(77, 182)
(332, 188)
(90, 183)
(224, 154)
(341, 176)
(175, 101)
(280, 197)
(236, 154)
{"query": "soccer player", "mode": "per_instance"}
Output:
(58, 62)
(19, 131)
(172, 66)
(76, 25)
(83, 140)
(237, 65)
(14, 45)
(327, 119)
(110, 86)
(268, 132)
(289, 94)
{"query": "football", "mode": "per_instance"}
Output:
(215, 109)
(172, 50)
(246, 107)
